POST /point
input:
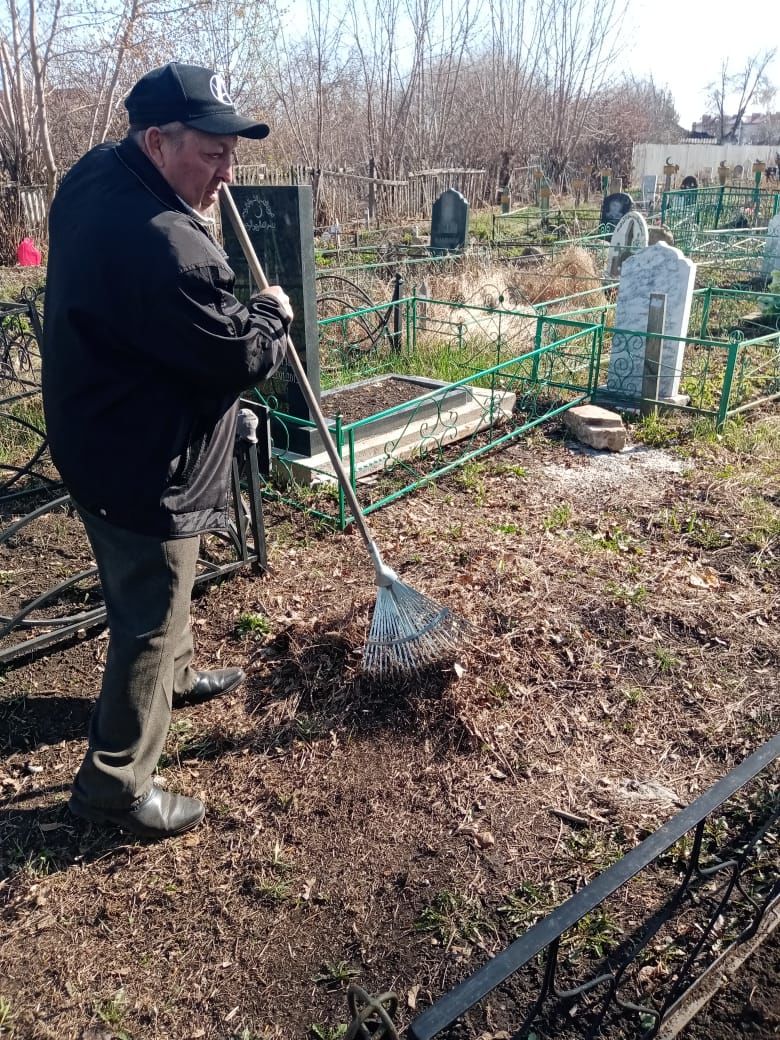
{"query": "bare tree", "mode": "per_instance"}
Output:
(624, 114)
(583, 40)
(64, 68)
(504, 79)
(445, 27)
(309, 83)
(746, 84)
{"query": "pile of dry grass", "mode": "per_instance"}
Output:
(573, 270)
(482, 283)
(475, 281)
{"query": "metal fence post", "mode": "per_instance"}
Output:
(338, 436)
(371, 189)
(719, 206)
(651, 373)
(537, 345)
(395, 335)
(735, 342)
(705, 313)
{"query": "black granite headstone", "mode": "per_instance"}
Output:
(689, 182)
(614, 208)
(279, 223)
(449, 222)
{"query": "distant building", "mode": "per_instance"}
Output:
(706, 128)
(760, 128)
(756, 128)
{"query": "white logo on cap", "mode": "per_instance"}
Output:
(219, 90)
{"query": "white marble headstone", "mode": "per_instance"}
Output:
(628, 238)
(771, 260)
(658, 269)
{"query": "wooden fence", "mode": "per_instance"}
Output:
(346, 196)
(342, 196)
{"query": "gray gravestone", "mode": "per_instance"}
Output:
(689, 186)
(614, 208)
(449, 222)
(649, 187)
(771, 261)
(657, 269)
(279, 223)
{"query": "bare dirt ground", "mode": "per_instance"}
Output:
(750, 1007)
(624, 654)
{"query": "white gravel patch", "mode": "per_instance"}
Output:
(610, 469)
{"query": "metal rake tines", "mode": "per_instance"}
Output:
(408, 632)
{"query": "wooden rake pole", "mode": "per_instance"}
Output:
(408, 630)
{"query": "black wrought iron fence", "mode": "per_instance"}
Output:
(727, 883)
(23, 444)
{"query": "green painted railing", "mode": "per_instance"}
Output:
(725, 206)
(510, 371)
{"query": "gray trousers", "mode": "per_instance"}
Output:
(147, 584)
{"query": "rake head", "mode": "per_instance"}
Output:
(409, 632)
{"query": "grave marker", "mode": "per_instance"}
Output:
(449, 222)
(689, 186)
(771, 261)
(544, 204)
(670, 170)
(628, 238)
(279, 222)
(614, 208)
(658, 269)
(649, 188)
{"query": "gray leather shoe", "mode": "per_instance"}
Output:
(211, 684)
(158, 814)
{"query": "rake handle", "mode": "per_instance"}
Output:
(309, 396)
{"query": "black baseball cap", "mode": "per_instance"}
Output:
(189, 94)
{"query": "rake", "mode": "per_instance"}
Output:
(409, 632)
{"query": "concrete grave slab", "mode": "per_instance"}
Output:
(415, 428)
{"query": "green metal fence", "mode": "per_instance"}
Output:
(724, 256)
(720, 207)
(489, 375)
(533, 224)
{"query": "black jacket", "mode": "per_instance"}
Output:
(145, 349)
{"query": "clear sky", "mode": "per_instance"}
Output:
(683, 42)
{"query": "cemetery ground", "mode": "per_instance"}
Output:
(624, 654)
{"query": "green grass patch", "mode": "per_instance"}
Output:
(252, 625)
(17, 440)
(451, 916)
(558, 519)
